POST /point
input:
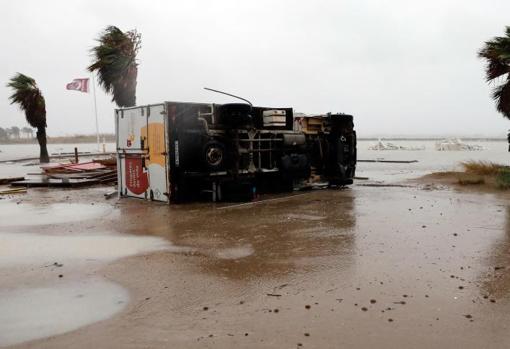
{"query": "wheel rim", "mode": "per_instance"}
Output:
(214, 156)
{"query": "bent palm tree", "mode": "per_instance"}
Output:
(497, 54)
(29, 98)
(114, 59)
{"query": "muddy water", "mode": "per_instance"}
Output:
(48, 285)
(32, 313)
(27, 249)
(356, 268)
(428, 160)
(56, 213)
(19, 151)
(364, 267)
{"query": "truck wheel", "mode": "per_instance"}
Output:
(214, 155)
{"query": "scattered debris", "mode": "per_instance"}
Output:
(391, 161)
(381, 185)
(13, 191)
(109, 195)
(73, 175)
(9, 180)
(455, 144)
(380, 145)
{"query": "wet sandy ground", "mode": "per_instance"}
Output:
(405, 267)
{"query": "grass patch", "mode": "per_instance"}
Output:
(503, 179)
(483, 168)
(485, 174)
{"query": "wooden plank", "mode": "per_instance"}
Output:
(49, 182)
(10, 180)
(13, 191)
(391, 161)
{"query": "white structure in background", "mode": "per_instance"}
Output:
(455, 144)
(380, 145)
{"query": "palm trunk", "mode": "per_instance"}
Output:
(41, 138)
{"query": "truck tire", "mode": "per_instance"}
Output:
(214, 156)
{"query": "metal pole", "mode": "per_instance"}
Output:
(95, 111)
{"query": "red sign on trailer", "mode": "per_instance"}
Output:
(136, 178)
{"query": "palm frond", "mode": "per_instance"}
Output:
(114, 60)
(501, 94)
(29, 98)
(496, 52)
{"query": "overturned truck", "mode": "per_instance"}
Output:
(176, 151)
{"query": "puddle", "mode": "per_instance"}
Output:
(235, 252)
(27, 248)
(28, 215)
(42, 311)
(28, 314)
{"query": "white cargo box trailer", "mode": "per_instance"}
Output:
(142, 152)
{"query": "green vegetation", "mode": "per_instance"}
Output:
(114, 60)
(503, 179)
(484, 172)
(497, 54)
(29, 98)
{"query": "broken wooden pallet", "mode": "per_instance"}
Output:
(51, 182)
(10, 180)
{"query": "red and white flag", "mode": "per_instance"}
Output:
(79, 85)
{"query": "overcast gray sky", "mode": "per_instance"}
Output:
(400, 67)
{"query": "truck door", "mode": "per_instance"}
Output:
(141, 152)
(156, 160)
(133, 180)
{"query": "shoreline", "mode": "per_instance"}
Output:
(109, 138)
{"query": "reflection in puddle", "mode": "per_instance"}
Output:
(30, 215)
(26, 248)
(27, 314)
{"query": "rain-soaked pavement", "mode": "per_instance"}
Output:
(386, 267)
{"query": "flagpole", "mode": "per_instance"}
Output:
(95, 111)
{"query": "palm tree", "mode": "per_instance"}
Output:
(30, 100)
(497, 54)
(15, 131)
(114, 59)
(29, 133)
(3, 134)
